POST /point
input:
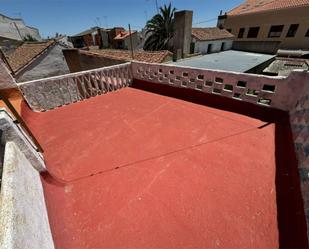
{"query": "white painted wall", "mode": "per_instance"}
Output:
(52, 63)
(202, 46)
(23, 214)
(16, 29)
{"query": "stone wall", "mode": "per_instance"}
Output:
(299, 117)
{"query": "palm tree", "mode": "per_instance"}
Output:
(160, 29)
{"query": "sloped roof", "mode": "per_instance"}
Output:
(123, 35)
(125, 55)
(27, 53)
(253, 6)
(86, 32)
(209, 34)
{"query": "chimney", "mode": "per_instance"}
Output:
(182, 33)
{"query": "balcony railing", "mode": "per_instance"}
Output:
(49, 93)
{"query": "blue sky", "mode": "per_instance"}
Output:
(72, 16)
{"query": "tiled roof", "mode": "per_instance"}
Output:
(150, 57)
(123, 35)
(87, 32)
(26, 53)
(252, 6)
(208, 34)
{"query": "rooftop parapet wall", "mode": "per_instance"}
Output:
(50, 93)
(276, 92)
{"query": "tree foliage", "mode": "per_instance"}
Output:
(160, 29)
(29, 38)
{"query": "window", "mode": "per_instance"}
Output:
(222, 46)
(292, 30)
(307, 34)
(275, 31)
(209, 48)
(253, 32)
(241, 32)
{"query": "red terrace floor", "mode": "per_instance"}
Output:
(136, 169)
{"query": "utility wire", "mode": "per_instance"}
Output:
(210, 20)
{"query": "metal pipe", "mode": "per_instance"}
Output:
(131, 42)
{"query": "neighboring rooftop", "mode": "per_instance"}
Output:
(87, 32)
(254, 6)
(210, 34)
(230, 60)
(124, 35)
(125, 55)
(284, 66)
(27, 53)
(142, 170)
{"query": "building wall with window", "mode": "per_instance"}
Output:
(207, 47)
(270, 30)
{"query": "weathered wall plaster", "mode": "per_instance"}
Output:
(13, 133)
(51, 63)
(276, 92)
(299, 117)
(23, 215)
(6, 80)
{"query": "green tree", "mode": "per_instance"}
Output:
(160, 29)
(29, 38)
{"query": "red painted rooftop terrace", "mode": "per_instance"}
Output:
(156, 156)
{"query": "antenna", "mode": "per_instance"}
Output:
(105, 21)
(157, 5)
(146, 15)
(98, 21)
(131, 42)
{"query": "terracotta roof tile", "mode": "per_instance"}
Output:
(125, 55)
(26, 53)
(253, 6)
(123, 35)
(208, 34)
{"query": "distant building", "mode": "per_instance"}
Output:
(79, 60)
(123, 40)
(210, 40)
(87, 38)
(13, 31)
(117, 38)
(188, 40)
(37, 60)
(268, 25)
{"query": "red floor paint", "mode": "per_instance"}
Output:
(144, 170)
